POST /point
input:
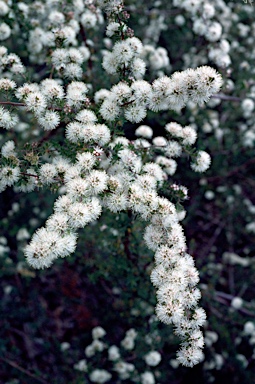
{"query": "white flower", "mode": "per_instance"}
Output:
(101, 134)
(85, 52)
(75, 56)
(208, 83)
(174, 129)
(190, 356)
(154, 170)
(237, 303)
(72, 71)
(116, 202)
(130, 160)
(89, 351)
(62, 164)
(7, 149)
(147, 378)
(144, 131)
(109, 109)
(79, 215)
(4, 9)
(26, 89)
(142, 91)
(120, 92)
(88, 19)
(202, 162)
(98, 332)
(30, 183)
(135, 113)
(66, 245)
(169, 165)
(97, 345)
(141, 143)
(65, 346)
(76, 93)
(189, 136)
(113, 353)
(49, 120)
(86, 116)
(7, 120)
(122, 52)
(153, 237)
(100, 376)
(146, 182)
(247, 105)
(199, 27)
(75, 132)
(214, 32)
(152, 358)
(59, 58)
(47, 173)
(81, 366)
(110, 63)
(22, 234)
(112, 28)
(208, 10)
(101, 95)
(159, 141)
(8, 176)
(249, 328)
(138, 68)
(7, 84)
(97, 181)
(58, 222)
(36, 102)
(128, 343)
(165, 256)
(85, 161)
(199, 317)
(5, 31)
(40, 252)
(51, 89)
(56, 17)
(124, 369)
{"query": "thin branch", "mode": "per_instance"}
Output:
(226, 97)
(15, 365)
(221, 297)
(51, 72)
(127, 237)
(29, 174)
(234, 171)
(13, 103)
(84, 38)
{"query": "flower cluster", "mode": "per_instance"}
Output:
(165, 93)
(115, 358)
(99, 167)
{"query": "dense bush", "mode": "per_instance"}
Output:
(118, 122)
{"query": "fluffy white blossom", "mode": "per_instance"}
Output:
(7, 120)
(81, 366)
(152, 358)
(49, 120)
(113, 353)
(100, 376)
(144, 131)
(202, 162)
(147, 378)
(8, 149)
(47, 173)
(98, 332)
